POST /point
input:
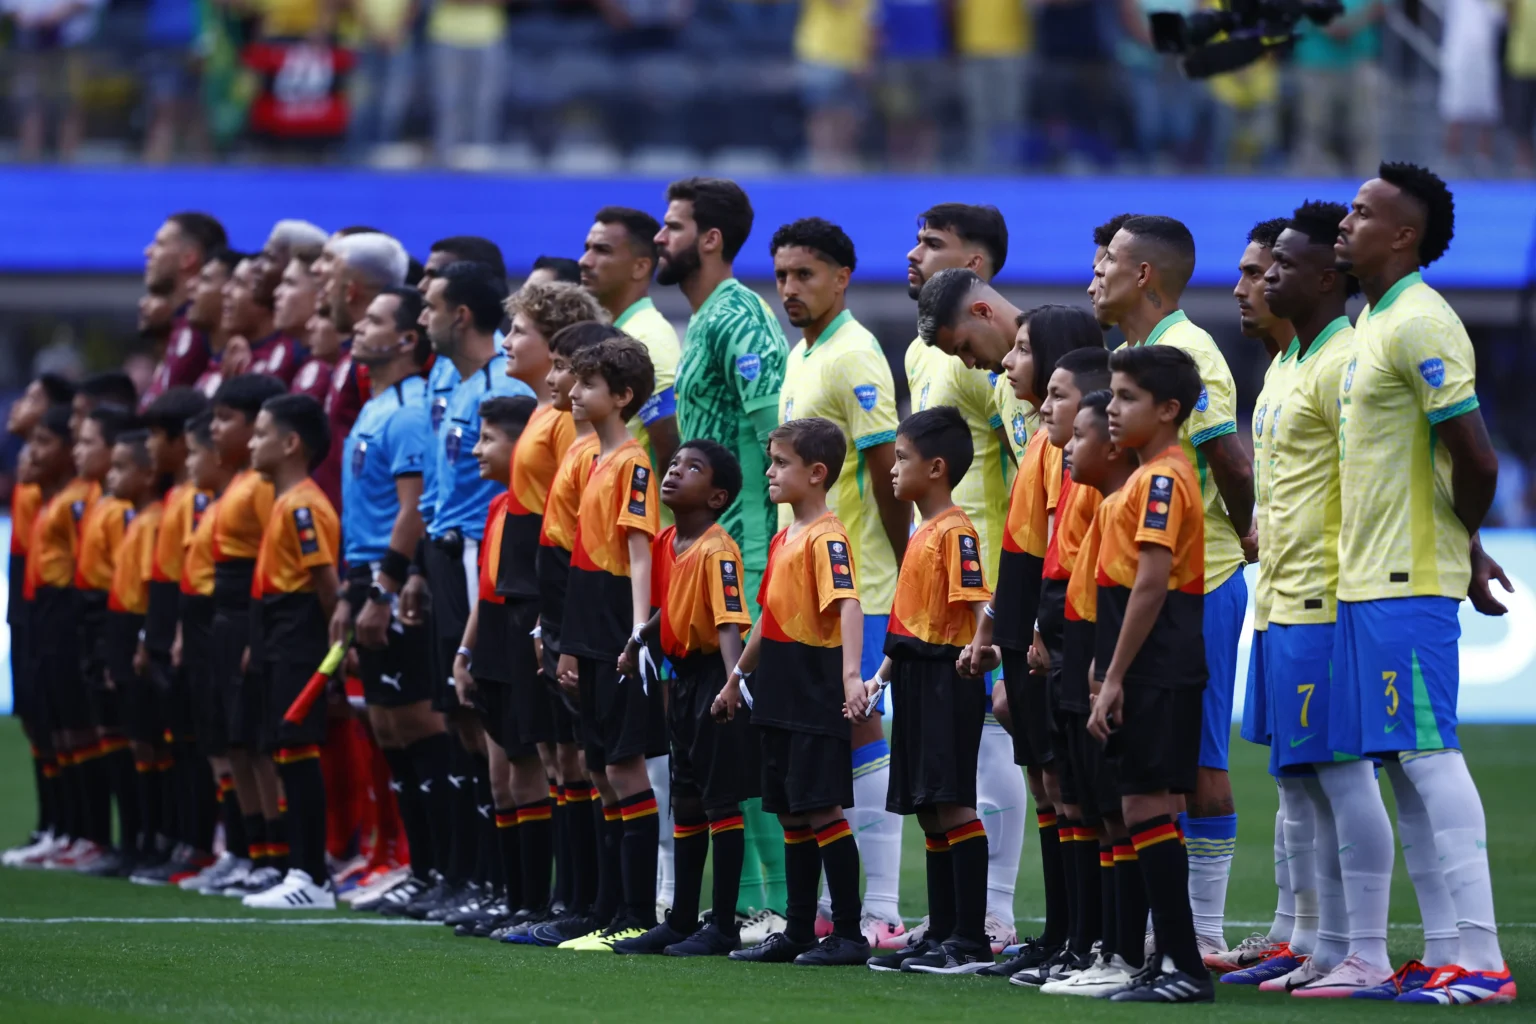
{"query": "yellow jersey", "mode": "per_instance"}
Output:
(1271, 398)
(644, 322)
(845, 378)
(1018, 419)
(835, 33)
(1412, 369)
(1300, 540)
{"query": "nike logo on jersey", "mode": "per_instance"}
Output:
(388, 680)
(1298, 742)
(1393, 726)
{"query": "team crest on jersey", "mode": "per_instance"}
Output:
(1349, 376)
(1161, 495)
(359, 455)
(992, 379)
(1020, 430)
(304, 523)
(730, 585)
(970, 562)
(922, 398)
(1433, 372)
(1274, 422)
(1204, 401)
(842, 566)
(308, 373)
(1258, 421)
(749, 366)
(867, 394)
(439, 410)
(637, 481)
(128, 515)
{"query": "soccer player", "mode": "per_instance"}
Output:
(205, 314)
(1102, 236)
(810, 637)
(700, 612)
(295, 588)
(238, 520)
(288, 240)
(246, 323)
(838, 372)
(1416, 476)
(940, 596)
(976, 238)
(460, 314)
(610, 579)
(172, 262)
(110, 387)
(1140, 281)
(1150, 607)
(381, 483)
(552, 270)
(617, 265)
(294, 302)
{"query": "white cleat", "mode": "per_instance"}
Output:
(1104, 978)
(298, 891)
(756, 929)
(1000, 933)
(1245, 954)
(1352, 975)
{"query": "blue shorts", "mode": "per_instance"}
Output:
(1396, 674)
(1255, 727)
(872, 656)
(1299, 664)
(1225, 608)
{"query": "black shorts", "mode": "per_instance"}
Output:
(1157, 744)
(26, 702)
(56, 663)
(175, 696)
(804, 771)
(535, 700)
(1029, 709)
(243, 701)
(567, 717)
(619, 718)
(1083, 773)
(493, 705)
(197, 661)
(280, 682)
(713, 762)
(935, 735)
(139, 703)
(401, 673)
(449, 587)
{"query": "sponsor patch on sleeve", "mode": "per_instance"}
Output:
(970, 562)
(304, 523)
(749, 366)
(842, 566)
(867, 394)
(637, 482)
(1433, 372)
(1158, 499)
(730, 585)
(1204, 401)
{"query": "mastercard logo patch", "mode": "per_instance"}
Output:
(636, 495)
(1158, 506)
(971, 565)
(841, 570)
(731, 592)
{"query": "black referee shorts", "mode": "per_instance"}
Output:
(1029, 710)
(935, 735)
(1157, 744)
(713, 762)
(449, 584)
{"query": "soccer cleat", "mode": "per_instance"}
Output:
(469, 909)
(1210, 948)
(298, 891)
(1000, 933)
(564, 929)
(1104, 978)
(257, 881)
(160, 873)
(775, 949)
(1032, 953)
(1059, 963)
(79, 853)
(756, 929)
(491, 910)
(237, 872)
(653, 942)
(1168, 987)
(440, 892)
(1309, 971)
(14, 853)
(835, 951)
(33, 852)
(824, 925)
(1250, 951)
(1350, 976)
(882, 934)
(111, 864)
(1456, 986)
(1410, 977)
(707, 941)
(953, 957)
(919, 932)
(1082, 965)
(454, 901)
(214, 874)
(1277, 965)
(604, 941)
(390, 900)
(894, 961)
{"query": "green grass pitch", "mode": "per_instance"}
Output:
(255, 972)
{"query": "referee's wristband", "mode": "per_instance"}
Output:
(396, 566)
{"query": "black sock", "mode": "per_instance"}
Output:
(304, 784)
(728, 847)
(802, 879)
(1066, 833)
(280, 853)
(1090, 903)
(509, 843)
(840, 859)
(255, 837)
(464, 848)
(1108, 926)
(148, 779)
(1165, 870)
(968, 848)
(560, 846)
(125, 793)
(165, 826)
(940, 865)
(406, 788)
(642, 834)
(1130, 905)
(582, 816)
(487, 870)
(610, 878)
(235, 839)
(196, 797)
(431, 756)
(66, 797)
(1055, 931)
(48, 795)
(535, 838)
(690, 852)
(96, 787)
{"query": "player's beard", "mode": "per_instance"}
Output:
(676, 269)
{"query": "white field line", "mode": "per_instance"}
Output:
(405, 923)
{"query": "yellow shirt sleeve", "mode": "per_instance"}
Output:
(1436, 359)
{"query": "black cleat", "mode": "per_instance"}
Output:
(1060, 962)
(836, 951)
(775, 949)
(1168, 987)
(653, 943)
(953, 957)
(894, 961)
(707, 941)
(1031, 954)
(564, 929)
(436, 895)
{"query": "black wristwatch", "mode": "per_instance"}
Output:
(378, 595)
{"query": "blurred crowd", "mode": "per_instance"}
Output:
(832, 85)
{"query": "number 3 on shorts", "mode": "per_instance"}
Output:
(1391, 692)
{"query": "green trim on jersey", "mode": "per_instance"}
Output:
(1396, 290)
(1176, 317)
(640, 305)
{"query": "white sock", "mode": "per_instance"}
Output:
(1301, 861)
(1002, 803)
(1332, 944)
(1210, 844)
(659, 769)
(1365, 854)
(878, 833)
(1442, 940)
(1455, 812)
(1285, 902)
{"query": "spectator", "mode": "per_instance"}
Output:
(171, 81)
(1245, 117)
(1469, 75)
(644, 42)
(1074, 79)
(1520, 65)
(50, 69)
(386, 71)
(468, 40)
(913, 80)
(832, 46)
(1164, 104)
(992, 38)
(1338, 84)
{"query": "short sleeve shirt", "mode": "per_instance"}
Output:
(240, 517)
(698, 591)
(1413, 368)
(197, 566)
(56, 536)
(442, 379)
(845, 378)
(535, 461)
(129, 592)
(462, 497)
(184, 505)
(391, 439)
(101, 539)
(1026, 537)
(644, 322)
(620, 496)
(1074, 513)
(26, 502)
(302, 534)
(1266, 412)
(941, 575)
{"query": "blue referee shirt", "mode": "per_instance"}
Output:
(443, 378)
(391, 438)
(462, 498)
